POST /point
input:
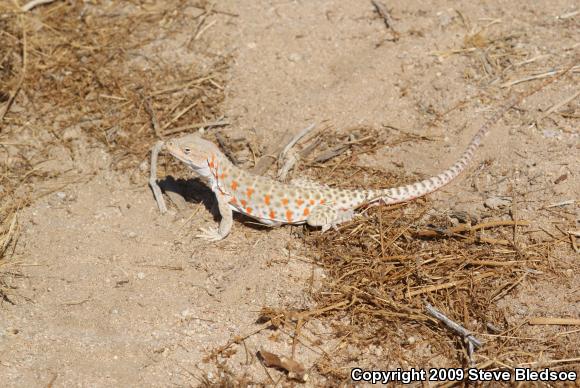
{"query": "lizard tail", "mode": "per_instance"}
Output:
(429, 185)
(424, 187)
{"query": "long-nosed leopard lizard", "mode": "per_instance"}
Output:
(300, 202)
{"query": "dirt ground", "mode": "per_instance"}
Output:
(99, 289)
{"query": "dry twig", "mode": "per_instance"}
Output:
(270, 157)
(554, 321)
(560, 104)
(546, 74)
(22, 71)
(34, 3)
(466, 334)
(384, 13)
(287, 162)
(205, 125)
(153, 177)
(153, 117)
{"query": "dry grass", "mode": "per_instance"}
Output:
(99, 66)
(386, 274)
(97, 70)
(382, 269)
(71, 72)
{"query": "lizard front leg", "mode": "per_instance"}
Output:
(225, 226)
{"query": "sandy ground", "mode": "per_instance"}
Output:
(113, 294)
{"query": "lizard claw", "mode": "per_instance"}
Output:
(210, 234)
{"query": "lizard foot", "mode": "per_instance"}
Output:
(327, 217)
(210, 234)
(341, 217)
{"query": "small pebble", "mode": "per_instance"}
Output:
(295, 57)
(549, 134)
(497, 202)
(140, 276)
(492, 328)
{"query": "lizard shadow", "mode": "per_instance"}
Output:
(193, 190)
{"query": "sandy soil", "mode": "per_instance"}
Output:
(110, 293)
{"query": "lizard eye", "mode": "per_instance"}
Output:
(187, 150)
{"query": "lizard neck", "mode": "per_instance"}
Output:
(219, 169)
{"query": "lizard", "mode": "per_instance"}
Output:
(303, 202)
(298, 202)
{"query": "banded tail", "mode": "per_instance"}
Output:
(429, 185)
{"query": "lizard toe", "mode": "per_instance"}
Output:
(209, 234)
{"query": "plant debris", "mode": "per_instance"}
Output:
(294, 369)
(63, 76)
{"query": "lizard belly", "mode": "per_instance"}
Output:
(266, 217)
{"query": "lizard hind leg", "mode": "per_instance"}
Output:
(327, 217)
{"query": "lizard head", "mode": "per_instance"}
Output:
(194, 151)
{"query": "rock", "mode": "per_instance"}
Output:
(295, 57)
(464, 217)
(495, 203)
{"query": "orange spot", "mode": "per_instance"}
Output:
(223, 175)
(234, 201)
(249, 210)
(306, 211)
(272, 214)
(249, 192)
(243, 202)
(312, 202)
(211, 161)
(299, 202)
(284, 201)
(267, 199)
(234, 185)
(322, 201)
(289, 215)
